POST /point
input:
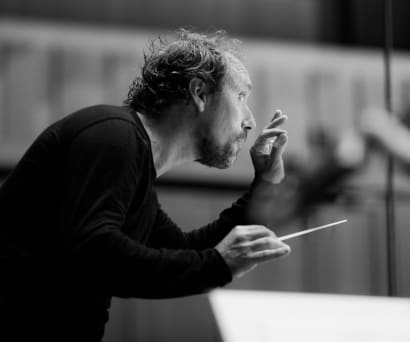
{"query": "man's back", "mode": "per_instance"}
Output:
(30, 199)
(39, 296)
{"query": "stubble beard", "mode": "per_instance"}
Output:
(217, 156)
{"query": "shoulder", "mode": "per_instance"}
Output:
(102, 125)
(93, 115)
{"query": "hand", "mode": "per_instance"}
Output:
(247, 246)
(266, 153)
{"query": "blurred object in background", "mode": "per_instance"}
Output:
(281, 19)
(347, 22)
(388, 132)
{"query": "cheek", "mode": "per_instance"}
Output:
(228, 123)
(229, 127)
(232, 114)
(223, 122)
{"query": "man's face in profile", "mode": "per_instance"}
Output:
(228, 119)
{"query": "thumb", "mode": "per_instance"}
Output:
(279, 144)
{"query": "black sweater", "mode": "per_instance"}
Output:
(80, 222)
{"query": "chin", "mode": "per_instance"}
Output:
(225, 165)
(218, 163)
(220, 157)
(229, 163)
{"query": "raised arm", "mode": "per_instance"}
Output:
(266, 154)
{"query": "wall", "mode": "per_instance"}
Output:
(285, 19)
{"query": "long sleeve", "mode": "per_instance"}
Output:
(103, 175)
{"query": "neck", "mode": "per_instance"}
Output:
(171, 139)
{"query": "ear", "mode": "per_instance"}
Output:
(198, 91)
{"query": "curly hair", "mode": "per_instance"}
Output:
(169, 67)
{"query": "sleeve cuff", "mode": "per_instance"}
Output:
(220, 272)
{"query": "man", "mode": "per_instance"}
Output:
(80, 221)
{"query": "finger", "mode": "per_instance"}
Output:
(277, 114)
(268, 135)
(269, 254)
(265, 243)
(254, 232)
(270, 132)
(277, 121)
(263, 146)
(272, 146)
(280, 141)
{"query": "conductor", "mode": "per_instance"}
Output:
(80, 221)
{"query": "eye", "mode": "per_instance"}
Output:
(242, 97)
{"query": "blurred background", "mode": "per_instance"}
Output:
(320, 61)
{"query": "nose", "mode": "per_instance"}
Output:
(249, 122)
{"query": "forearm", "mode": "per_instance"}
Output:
(122, 267)
(260, 206)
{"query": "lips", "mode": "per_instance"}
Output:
(242, 137)
(241, 141)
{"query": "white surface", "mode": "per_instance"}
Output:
(282, 316)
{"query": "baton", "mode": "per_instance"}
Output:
(311, 230)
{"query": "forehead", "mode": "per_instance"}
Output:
(237, 74)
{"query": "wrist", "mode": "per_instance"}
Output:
(266, 181)
(262, 190)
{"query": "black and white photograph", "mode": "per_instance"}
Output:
(204, 170)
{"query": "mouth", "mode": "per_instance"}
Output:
(242, 137)
(240, 142)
